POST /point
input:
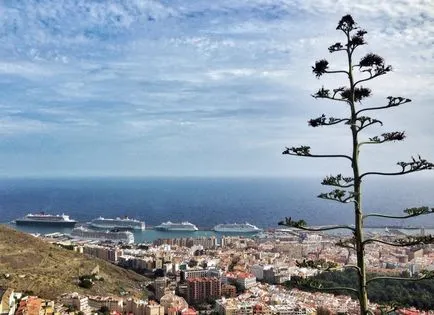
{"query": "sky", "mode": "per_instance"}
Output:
(199, 87)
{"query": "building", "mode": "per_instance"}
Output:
(32, 305)
(77, 301)
(188, 311)
(153, 308)
(226, 307)
(246, 280)
(182, 289)
(201, 289)
(199, 273)
(205, 242)
(127, 306)
(235, 307)
(415, 253)
(269, 274)
(172, 303)
(160, 285)
(229, 290)
(194, 273)
(262, 309)
(105, 253)
(134, 306)
(113, 304)
(7, 303)
(136, 263)
(257, 271)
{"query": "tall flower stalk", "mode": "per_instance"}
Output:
(348, 189)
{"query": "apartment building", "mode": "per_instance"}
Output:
(201, 289)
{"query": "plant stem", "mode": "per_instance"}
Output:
(363, 294)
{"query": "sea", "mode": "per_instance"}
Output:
(209, 201)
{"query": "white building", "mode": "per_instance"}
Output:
(258, 270)
(79, 302)
(246, 281)
(7, 301)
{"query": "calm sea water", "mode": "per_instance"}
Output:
(209, 201)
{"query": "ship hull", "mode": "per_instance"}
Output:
(46, 223)
(82, 233)
(117, 227)
(246, 228)
(236, 231)
(174, 229)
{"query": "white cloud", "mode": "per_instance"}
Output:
(26, 69)
(12, 126)
(210, 74)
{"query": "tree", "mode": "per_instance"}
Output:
(192, 263)
(159, 273)
(323, 311)
(348, 188)
(85, 282)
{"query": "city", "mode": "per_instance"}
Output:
(231, 275)
(196, 157)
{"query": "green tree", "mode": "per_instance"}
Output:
(104, 310)
(86, 283)
(71, 308)
(383, 292)
(323, 311)
(348, 189)
(192, 263)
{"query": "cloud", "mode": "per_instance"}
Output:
(17, 126)
(113, 78)
(24, 69)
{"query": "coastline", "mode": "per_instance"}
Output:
(150, 234)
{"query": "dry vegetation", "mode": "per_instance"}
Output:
(49, 271)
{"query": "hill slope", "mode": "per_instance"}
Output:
(48, 271)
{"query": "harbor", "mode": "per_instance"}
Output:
(146, 236)
(151, 234)
(125, 229)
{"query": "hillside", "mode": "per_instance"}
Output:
(49, 271)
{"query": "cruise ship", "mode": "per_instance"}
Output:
(114, 236)
(237, 228)
(46, 219)
(118, 223)
(173, 226)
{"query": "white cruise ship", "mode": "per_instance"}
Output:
(121, 236)
(237, 228)
(46, 219)
(118, 223)
(173, 226)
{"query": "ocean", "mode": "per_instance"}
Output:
(210, 201)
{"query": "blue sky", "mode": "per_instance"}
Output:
(199, 88)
